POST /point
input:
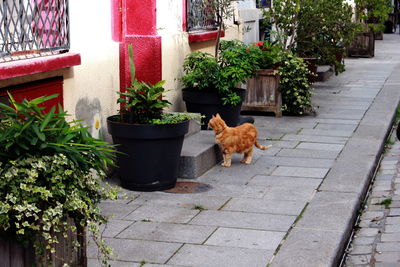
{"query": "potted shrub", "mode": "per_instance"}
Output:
(150, 141)
(313, 30)
(372, 14)
(262, 92)
(211, 84)
(50, 185)
(294, 85)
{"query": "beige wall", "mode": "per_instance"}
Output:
(175, 47)
(90, 89)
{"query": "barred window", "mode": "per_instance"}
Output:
(200, 16)
(33, 28)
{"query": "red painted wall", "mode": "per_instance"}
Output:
(36, 89)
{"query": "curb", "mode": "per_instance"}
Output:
(319, 238)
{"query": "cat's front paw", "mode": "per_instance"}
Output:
(225, 164)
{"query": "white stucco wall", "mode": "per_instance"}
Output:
(175, 47)
(90, 89)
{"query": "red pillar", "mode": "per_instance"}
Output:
(134, 22)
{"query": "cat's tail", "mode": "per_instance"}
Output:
(257, 144)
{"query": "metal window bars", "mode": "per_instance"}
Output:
(200, 16)
(33, 28)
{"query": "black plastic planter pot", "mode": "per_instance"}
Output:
(151, 153)
(209, 104)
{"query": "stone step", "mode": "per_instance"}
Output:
(324, 72)
(199, 154)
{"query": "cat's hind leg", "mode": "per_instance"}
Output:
(248, 156)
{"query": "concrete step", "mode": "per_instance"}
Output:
(199, 154)
(324, 72)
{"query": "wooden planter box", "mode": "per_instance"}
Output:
(13, 254)
(263, 93)
(362, 46)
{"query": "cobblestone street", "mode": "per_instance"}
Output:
(377, 240)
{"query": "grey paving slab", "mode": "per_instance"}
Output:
(295, 162)
(168, 232)
(328, 126)
(245, 238)
(300, 172)
(114, 227)
(247, 220)
(96, 263)
(329, 211)
(138, 250)
(117, 210)
(215, 256)
(392, 237)
(265, 206)
(388, 246)
(184, 200)
(315, 139)
(239, 174)
(308, 248)
(388, 257)
(308, 153)
(162, 214)
(285, 181)
(358, 260)
(321, 146)
(320, 132)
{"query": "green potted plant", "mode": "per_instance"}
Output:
(317, 31)
(372, 15)
(149, 140)
(294, 85)
(211, 84)
(262, 93)
(50, 185)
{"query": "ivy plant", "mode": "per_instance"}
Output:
(50, 172)
(294, 85)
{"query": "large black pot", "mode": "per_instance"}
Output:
(209, 104)
(151, 153)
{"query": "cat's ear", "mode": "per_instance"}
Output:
(212, 117)
(218, 116)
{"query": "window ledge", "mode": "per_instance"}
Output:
(37, 65)
(204, 36)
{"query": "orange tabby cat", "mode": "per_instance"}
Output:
(239, 139)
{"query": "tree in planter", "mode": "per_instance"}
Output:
(221, 10)
(46, 178)
(284, 16)
(310, 28)
(325, 28)
(373, 13)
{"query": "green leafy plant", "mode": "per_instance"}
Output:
(294, 85)
(142, 102)
(325, 27)
(373, 13)
(310, 28)
(270, 56)
(386, 202)
(236, 63)
(47, 178)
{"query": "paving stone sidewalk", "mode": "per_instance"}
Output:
(294, 205)
(377, 239)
